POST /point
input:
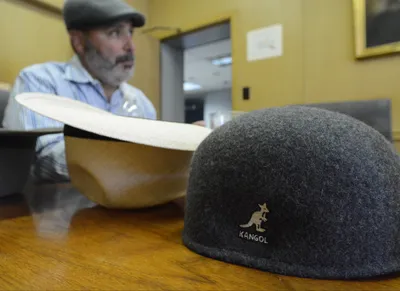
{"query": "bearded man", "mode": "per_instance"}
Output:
(101, 35)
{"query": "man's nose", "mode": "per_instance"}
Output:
(129, 45)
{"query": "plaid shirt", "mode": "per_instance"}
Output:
(69, 80)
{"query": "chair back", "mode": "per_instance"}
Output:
(4, 95)
(376, 113)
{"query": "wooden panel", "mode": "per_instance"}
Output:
(331, 71)
(318, 64)
(5, 86)
(396, 139)
(273, 82)
(54, 3)
(31, 35)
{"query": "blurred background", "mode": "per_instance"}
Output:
(317, 64)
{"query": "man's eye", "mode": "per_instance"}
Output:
(114, 32)
(119, 32)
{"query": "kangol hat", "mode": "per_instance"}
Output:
(297, 191)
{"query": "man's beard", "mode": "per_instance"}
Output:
(107, 71)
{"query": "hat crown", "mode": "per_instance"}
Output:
(95, 6)
(296, 190)
(91, 13)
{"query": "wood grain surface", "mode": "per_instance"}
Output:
(67, 243)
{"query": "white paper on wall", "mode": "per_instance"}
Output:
(264, 43)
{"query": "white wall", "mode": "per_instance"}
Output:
(217, 101)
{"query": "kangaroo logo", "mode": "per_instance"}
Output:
(257, 218)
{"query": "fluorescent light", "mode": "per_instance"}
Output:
(224, 61)
(187, 86)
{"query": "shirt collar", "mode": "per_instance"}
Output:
(75, 72)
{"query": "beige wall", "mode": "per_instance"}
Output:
(331, 73)
(318, 63)
(29, 36)
(147, 62)
(274, 82)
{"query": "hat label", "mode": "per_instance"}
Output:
(253, 237)
(256, 219)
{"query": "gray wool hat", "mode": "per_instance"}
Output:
(296, 191)
(87, 14)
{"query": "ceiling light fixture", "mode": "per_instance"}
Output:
(222, 61)
(188, 86)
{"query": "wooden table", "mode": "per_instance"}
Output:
(58, 240)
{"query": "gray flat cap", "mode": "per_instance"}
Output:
(87, 14)
(297, 191)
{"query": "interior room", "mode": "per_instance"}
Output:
(208, 80)
(199, 145)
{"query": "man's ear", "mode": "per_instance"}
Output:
(77, 41)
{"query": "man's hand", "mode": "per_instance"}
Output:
(200, 123)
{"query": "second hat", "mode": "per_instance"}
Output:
(296, 191)
(86, 14)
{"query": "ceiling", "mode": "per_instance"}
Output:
(199, 69)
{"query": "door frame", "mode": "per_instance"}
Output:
(163, 36)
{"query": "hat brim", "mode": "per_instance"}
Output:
(137, 19)
(156, 133)
(33, 132)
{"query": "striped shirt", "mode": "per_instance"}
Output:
(69, 80)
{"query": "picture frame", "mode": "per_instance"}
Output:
(376, 32)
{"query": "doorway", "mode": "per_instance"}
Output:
(196, 76)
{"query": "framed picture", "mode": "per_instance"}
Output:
(376, 27)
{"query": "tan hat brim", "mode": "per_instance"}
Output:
(156, 133)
